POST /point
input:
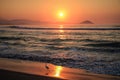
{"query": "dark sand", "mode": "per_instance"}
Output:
(11, 75)
(11, 69)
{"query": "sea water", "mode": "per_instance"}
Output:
(79, 46)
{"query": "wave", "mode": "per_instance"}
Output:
(76, 40)
(10, 38)
(29, 28)
(104, 49)
(50, 40)
(108, 44)
(94, 51)
(102, 66)
(57, 44)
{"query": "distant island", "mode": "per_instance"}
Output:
(25, 21)
(87, 22)
(17, 22)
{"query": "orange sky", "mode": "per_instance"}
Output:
(99, 11)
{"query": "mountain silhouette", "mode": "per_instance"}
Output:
(17, 22)
(25, 21)
(87, 22)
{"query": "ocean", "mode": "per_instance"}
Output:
(95, 48)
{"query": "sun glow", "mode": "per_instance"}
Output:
(61, 14)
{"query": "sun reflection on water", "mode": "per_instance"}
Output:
(58, 71)
(61, 32)
(60, 26)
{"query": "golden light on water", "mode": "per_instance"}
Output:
(58, 71)
(62, 35)
(61, 26)
(61, 31)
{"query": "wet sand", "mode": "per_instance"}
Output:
(11, 69)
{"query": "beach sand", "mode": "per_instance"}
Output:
(12, 69)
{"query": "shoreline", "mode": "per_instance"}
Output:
(83, 28)
(45, 71)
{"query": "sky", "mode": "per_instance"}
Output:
(75, 11)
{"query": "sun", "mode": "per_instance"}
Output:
(61, 14)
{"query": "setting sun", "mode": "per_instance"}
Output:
(61, 14)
